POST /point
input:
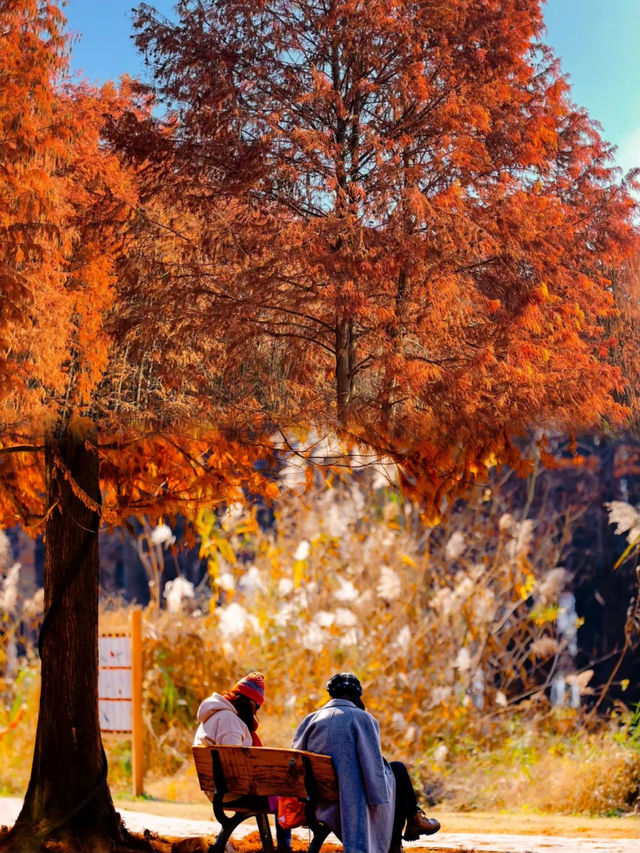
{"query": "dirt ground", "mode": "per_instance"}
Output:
(627, 826)
(162, 826)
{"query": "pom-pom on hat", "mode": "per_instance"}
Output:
(344, 682)
(251, 686)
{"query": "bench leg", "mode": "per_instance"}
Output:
(225, 832)
(320, 833)
(265, 832)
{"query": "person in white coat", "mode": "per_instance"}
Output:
(230, 719)
(376, 798)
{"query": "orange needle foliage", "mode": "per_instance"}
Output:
(420, 251)
(32, 198)
(91, 340)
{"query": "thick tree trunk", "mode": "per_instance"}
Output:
(68, 796)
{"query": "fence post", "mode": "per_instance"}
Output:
(137, 761)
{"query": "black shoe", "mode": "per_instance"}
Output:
(419, 824)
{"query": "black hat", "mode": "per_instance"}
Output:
(344, 682)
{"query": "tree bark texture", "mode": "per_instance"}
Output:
(345, 367)
(68, 796)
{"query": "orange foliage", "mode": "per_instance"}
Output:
(623, 343)
(91, 331)
(417, 251)
(34, 132)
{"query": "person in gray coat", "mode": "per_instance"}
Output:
(376, 798)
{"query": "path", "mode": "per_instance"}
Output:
(477, 842)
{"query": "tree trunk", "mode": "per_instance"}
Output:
(395, 333)
(345, 366)
(68, 796)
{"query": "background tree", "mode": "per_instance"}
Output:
(624, 329)
(425, 239)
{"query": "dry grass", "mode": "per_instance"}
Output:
(541, 770)
(591, 780)
(18, 720)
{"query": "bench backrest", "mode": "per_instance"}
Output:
(263, 771)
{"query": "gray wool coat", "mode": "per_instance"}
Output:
(363, 818)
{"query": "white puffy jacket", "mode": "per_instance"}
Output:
(220, 724)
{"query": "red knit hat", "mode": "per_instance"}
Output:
(251, 686)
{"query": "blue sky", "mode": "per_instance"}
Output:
(598, 42)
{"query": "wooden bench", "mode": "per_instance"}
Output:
(240, 779)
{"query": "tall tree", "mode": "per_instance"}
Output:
(426, 235)
(108, 408)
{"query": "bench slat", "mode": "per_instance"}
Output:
(265, 771)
